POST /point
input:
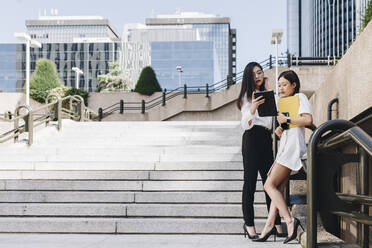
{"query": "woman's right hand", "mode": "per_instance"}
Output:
(256, 102)
(279, 131)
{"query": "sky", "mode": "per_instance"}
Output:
(254, 20)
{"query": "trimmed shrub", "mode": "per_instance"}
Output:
(43, 80)
(147, 83)
(114, 80)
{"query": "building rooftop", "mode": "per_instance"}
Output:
(187, 18)
(72, 21)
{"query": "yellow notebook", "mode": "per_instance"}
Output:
(290, 104)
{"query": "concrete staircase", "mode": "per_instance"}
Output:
(126, 177)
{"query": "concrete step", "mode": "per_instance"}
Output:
(126, 166)
(125, 225)
(126, 210)
(192, 210)
(173, 124)
(211, 149)
(108, 157)
(118, 142)
(123, 175)
(99, 185)
(125, 197)
(195, 197)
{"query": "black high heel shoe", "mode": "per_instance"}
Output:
(264, 238)
(281, 235)
(255, 236)
(296, 223)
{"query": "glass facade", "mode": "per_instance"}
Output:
(334, 26)
(10, 73)
(195, 57)
(293, 30)
(92, 58)
(217, 33)
(328, 27)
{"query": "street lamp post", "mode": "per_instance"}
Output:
(179, 69)
(29, 43)
(276, 39)
(77, 72)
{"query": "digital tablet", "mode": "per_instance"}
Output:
(268, 108)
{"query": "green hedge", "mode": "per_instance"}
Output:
(43, 80)
(147, 83)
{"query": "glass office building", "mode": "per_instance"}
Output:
(92, 58)
(196, 58)
(192, 28)
(321, 28)
(10, 72)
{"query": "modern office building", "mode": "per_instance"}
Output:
(321, 28)
(203, 45)
(87, 42)
(92, 58)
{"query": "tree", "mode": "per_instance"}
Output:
(368, 15)
(113, 81)
(147, 83)
(43, 80)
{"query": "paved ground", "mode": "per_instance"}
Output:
(134, 241)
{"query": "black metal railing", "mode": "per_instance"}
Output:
(209, 89)
(324, 162)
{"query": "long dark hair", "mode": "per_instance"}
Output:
(292, 77)
(248, 83)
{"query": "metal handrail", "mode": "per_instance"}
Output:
(215, 87)
(53, 110)
(349, 132)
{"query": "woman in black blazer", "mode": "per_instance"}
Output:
(256, 145)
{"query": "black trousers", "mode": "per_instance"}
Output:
(257, 157)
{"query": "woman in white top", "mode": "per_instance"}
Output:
(256, 144)
(292, 147)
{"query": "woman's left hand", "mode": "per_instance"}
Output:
(281, 118)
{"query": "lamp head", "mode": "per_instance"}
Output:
(77, 70)
(179, 68)
(35, 44)
(276, 34)
(22, 36)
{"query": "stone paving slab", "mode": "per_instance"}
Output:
(133, 241)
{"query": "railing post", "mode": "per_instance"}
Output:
(207, 90)
(121, 106)
(289, 62)
(100, 114)
(184, 91)
(59, 114)
(362, 189)
(164, 94)
(229, 81)
(82, 111)
(16, 125)
(30, 127)
(271, 61)
(143, 107)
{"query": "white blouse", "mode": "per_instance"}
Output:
(256, 120)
